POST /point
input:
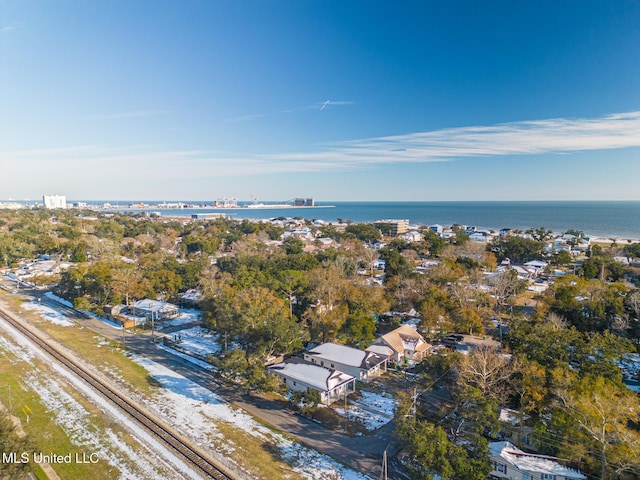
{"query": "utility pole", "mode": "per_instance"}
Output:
(345, 408)
(384, 474)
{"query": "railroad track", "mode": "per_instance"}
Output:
(167, 435)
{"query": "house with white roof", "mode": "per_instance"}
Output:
(481, 236)
(412, 236)
(511, 463)
(360, 364)
(299, 376)
(155, 309)
(537, 264)
(403, 343)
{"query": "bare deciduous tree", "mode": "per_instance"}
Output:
(487, 370)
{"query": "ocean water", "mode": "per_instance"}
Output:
(619, 219)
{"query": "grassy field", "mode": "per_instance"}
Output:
(259, 457)
(41, 427)
(91, 347)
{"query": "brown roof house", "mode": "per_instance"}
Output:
(403, 344)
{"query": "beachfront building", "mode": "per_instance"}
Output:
(396, 227)
(54, 201)
(360, 364)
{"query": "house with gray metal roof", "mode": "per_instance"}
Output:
(360, 364)
(299, 375)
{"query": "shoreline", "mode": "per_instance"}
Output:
(600, 221)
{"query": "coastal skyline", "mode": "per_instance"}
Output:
(355, 101)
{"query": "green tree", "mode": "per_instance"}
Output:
(12, 441)
(307, 401)
(128, 282)
(256, 319)
(359, 329)
(599, 421)
(517, 249)
(433, 242)
(363, 231)
(291, 283)
(540, 234)
(562, 258)
(292, 245)
(395, 263)
(233, 364)
(459, 238)
(326, 312)
(431, 451)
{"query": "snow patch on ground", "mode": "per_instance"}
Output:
(48, 314)
(75, 421)
(189, 358)
(193, 407)
(630, 366)
(102, 341)
(58, 299)
(187, 315)
(19, 353)
(371, 410)
(163, 459)
(198, 340)
(313, 465)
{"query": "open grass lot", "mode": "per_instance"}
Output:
(95, 349)
(41, 427)
(261, 458)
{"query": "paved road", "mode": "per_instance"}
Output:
(360, 453)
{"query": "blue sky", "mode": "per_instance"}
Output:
(426, 100)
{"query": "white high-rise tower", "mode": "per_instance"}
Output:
(54, 201)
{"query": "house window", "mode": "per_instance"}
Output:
(333, 366)
(500, 467)
(294, 383)
(548, 476)
(322, 363)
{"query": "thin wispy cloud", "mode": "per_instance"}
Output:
(11, 28)
(554, 136)
(322, 105)
(251, 116)
(560, 135)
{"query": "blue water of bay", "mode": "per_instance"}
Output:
(596, 218)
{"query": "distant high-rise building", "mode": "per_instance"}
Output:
(54, 201)
(395, 227)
